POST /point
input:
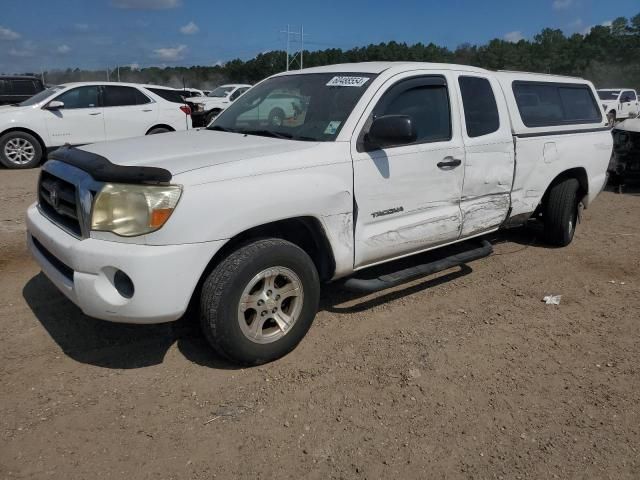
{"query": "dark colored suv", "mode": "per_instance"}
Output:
(15, 89)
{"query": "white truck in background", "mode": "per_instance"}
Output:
(245, 219)
(205, 108)
(619, 103)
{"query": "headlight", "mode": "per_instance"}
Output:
(130, 210)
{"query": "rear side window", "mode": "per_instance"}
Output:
(23, 87)
(169, 95)
(545, 104)
(426, 101)
(118, 96)
(480, 108)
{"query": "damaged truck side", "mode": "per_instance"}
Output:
(245, 219)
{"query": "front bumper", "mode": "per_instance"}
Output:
(164, 277)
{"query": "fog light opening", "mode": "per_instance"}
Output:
(123, 284)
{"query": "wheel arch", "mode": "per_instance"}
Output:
(306, 232)
(30, 132)
(161, 125)
(580, 174)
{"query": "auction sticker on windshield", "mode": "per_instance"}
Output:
(347, 81)
(332, 128)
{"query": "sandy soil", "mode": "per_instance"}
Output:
(467, 375)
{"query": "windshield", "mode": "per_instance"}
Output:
(608, 94)
(312, 106)
(39, 97)
(220, 92)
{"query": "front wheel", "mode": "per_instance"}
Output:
(259, 302)
(561, 212)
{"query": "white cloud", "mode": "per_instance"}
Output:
(81, 27)
(146, 4)
(514, 36)
(189, 29)
(577, 24)
(21, 53)
(63, 49)
(170, 54)
(8, 34)
(562, 4)
(587, 30)
(134, 66)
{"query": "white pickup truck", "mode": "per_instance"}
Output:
(619, 103)
(245, 220)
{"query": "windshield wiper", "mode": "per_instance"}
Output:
(221, 129)
(268, 133)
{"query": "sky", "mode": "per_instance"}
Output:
(40, 35)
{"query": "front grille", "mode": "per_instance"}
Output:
(62, 267)
(58, 201)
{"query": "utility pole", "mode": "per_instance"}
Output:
(108, 80)
(298, 55)
(118, 67)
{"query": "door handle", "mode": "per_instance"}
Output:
(95, 113)
(148, 110)
(449, 163)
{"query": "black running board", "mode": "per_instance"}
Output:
(370, 285)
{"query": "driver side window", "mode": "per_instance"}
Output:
(81, 97)
(426, 101)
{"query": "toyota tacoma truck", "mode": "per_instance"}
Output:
(244, 220)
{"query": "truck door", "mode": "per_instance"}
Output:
(408, 196)
(489, 164)
(628, 104)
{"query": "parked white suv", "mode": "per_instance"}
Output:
(206, 108)
(619, 103)
(244, 219)
(87, 112)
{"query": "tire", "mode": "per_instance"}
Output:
(157, 130)
(276, 117)
(561, 213)
(611, 118)
(239, 276)
(210, 116)
(20, 150)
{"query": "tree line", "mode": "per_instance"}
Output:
(607, 55)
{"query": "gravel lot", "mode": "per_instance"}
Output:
(467, 375)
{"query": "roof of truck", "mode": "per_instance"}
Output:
(396, 67)
(379, 67)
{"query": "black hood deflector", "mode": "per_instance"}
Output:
(103, 170)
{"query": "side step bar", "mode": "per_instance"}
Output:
(361, 285)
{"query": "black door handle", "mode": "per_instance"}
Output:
(449, 163)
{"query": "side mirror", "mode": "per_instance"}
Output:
(55, 105)
(390, 130)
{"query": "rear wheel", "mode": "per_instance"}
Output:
(561, 212)
(259, 302)
(210, 116)
(20, 150)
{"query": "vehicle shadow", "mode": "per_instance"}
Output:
(114, 345)
(126, 346)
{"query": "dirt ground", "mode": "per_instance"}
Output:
(466, 375)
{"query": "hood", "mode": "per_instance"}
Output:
(631, 125)
(180, 152)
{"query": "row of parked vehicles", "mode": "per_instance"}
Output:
(90, 112)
